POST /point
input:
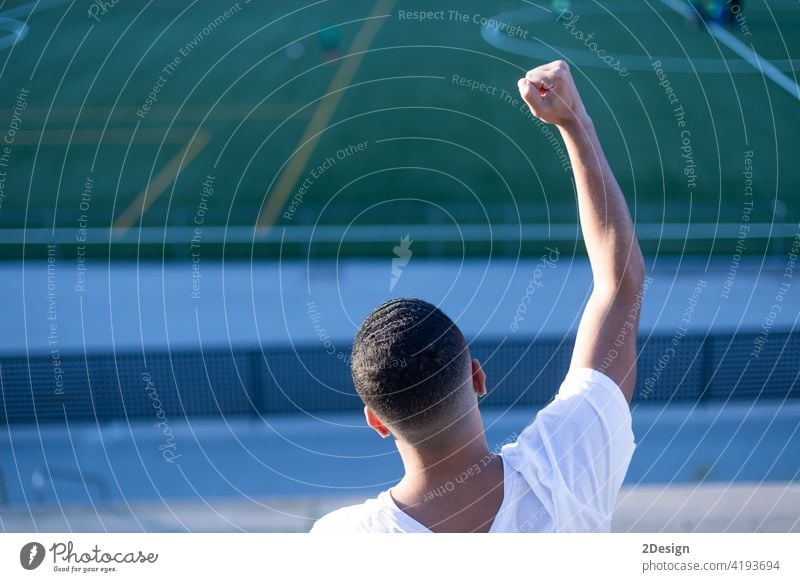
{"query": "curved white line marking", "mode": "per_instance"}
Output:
(632, 62)
(17, 31)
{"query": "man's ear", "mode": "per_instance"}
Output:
(478, 378)
(375, 423)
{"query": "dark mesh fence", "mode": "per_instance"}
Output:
(106, 387)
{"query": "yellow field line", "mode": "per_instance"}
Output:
(161, 182)
(323, 114)
(92, 137)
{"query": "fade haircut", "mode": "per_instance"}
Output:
(411, 366)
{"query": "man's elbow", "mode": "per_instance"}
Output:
(622, 278)
(631, 279)
(625, 277)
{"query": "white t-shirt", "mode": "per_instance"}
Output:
(563, 473)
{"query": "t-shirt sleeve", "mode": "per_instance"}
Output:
(324, 525)
(576, 452)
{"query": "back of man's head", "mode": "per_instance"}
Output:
(412, 368)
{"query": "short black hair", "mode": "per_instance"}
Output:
(411, 366)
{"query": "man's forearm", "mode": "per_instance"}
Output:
(605, 220)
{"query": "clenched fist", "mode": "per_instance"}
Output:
(551, 94)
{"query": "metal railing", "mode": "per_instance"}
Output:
(251, 382)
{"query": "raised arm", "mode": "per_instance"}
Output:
(606, 339)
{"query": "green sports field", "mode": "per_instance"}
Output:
(140, 128)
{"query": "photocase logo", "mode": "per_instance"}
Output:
(31, 555)
(402, 256)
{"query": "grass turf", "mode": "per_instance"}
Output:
(437, 153)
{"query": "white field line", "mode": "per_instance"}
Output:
(383, 233)
(746, 52)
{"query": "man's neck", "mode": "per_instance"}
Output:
(424, 463)
(453, 488)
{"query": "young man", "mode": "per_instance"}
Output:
(412, 368)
